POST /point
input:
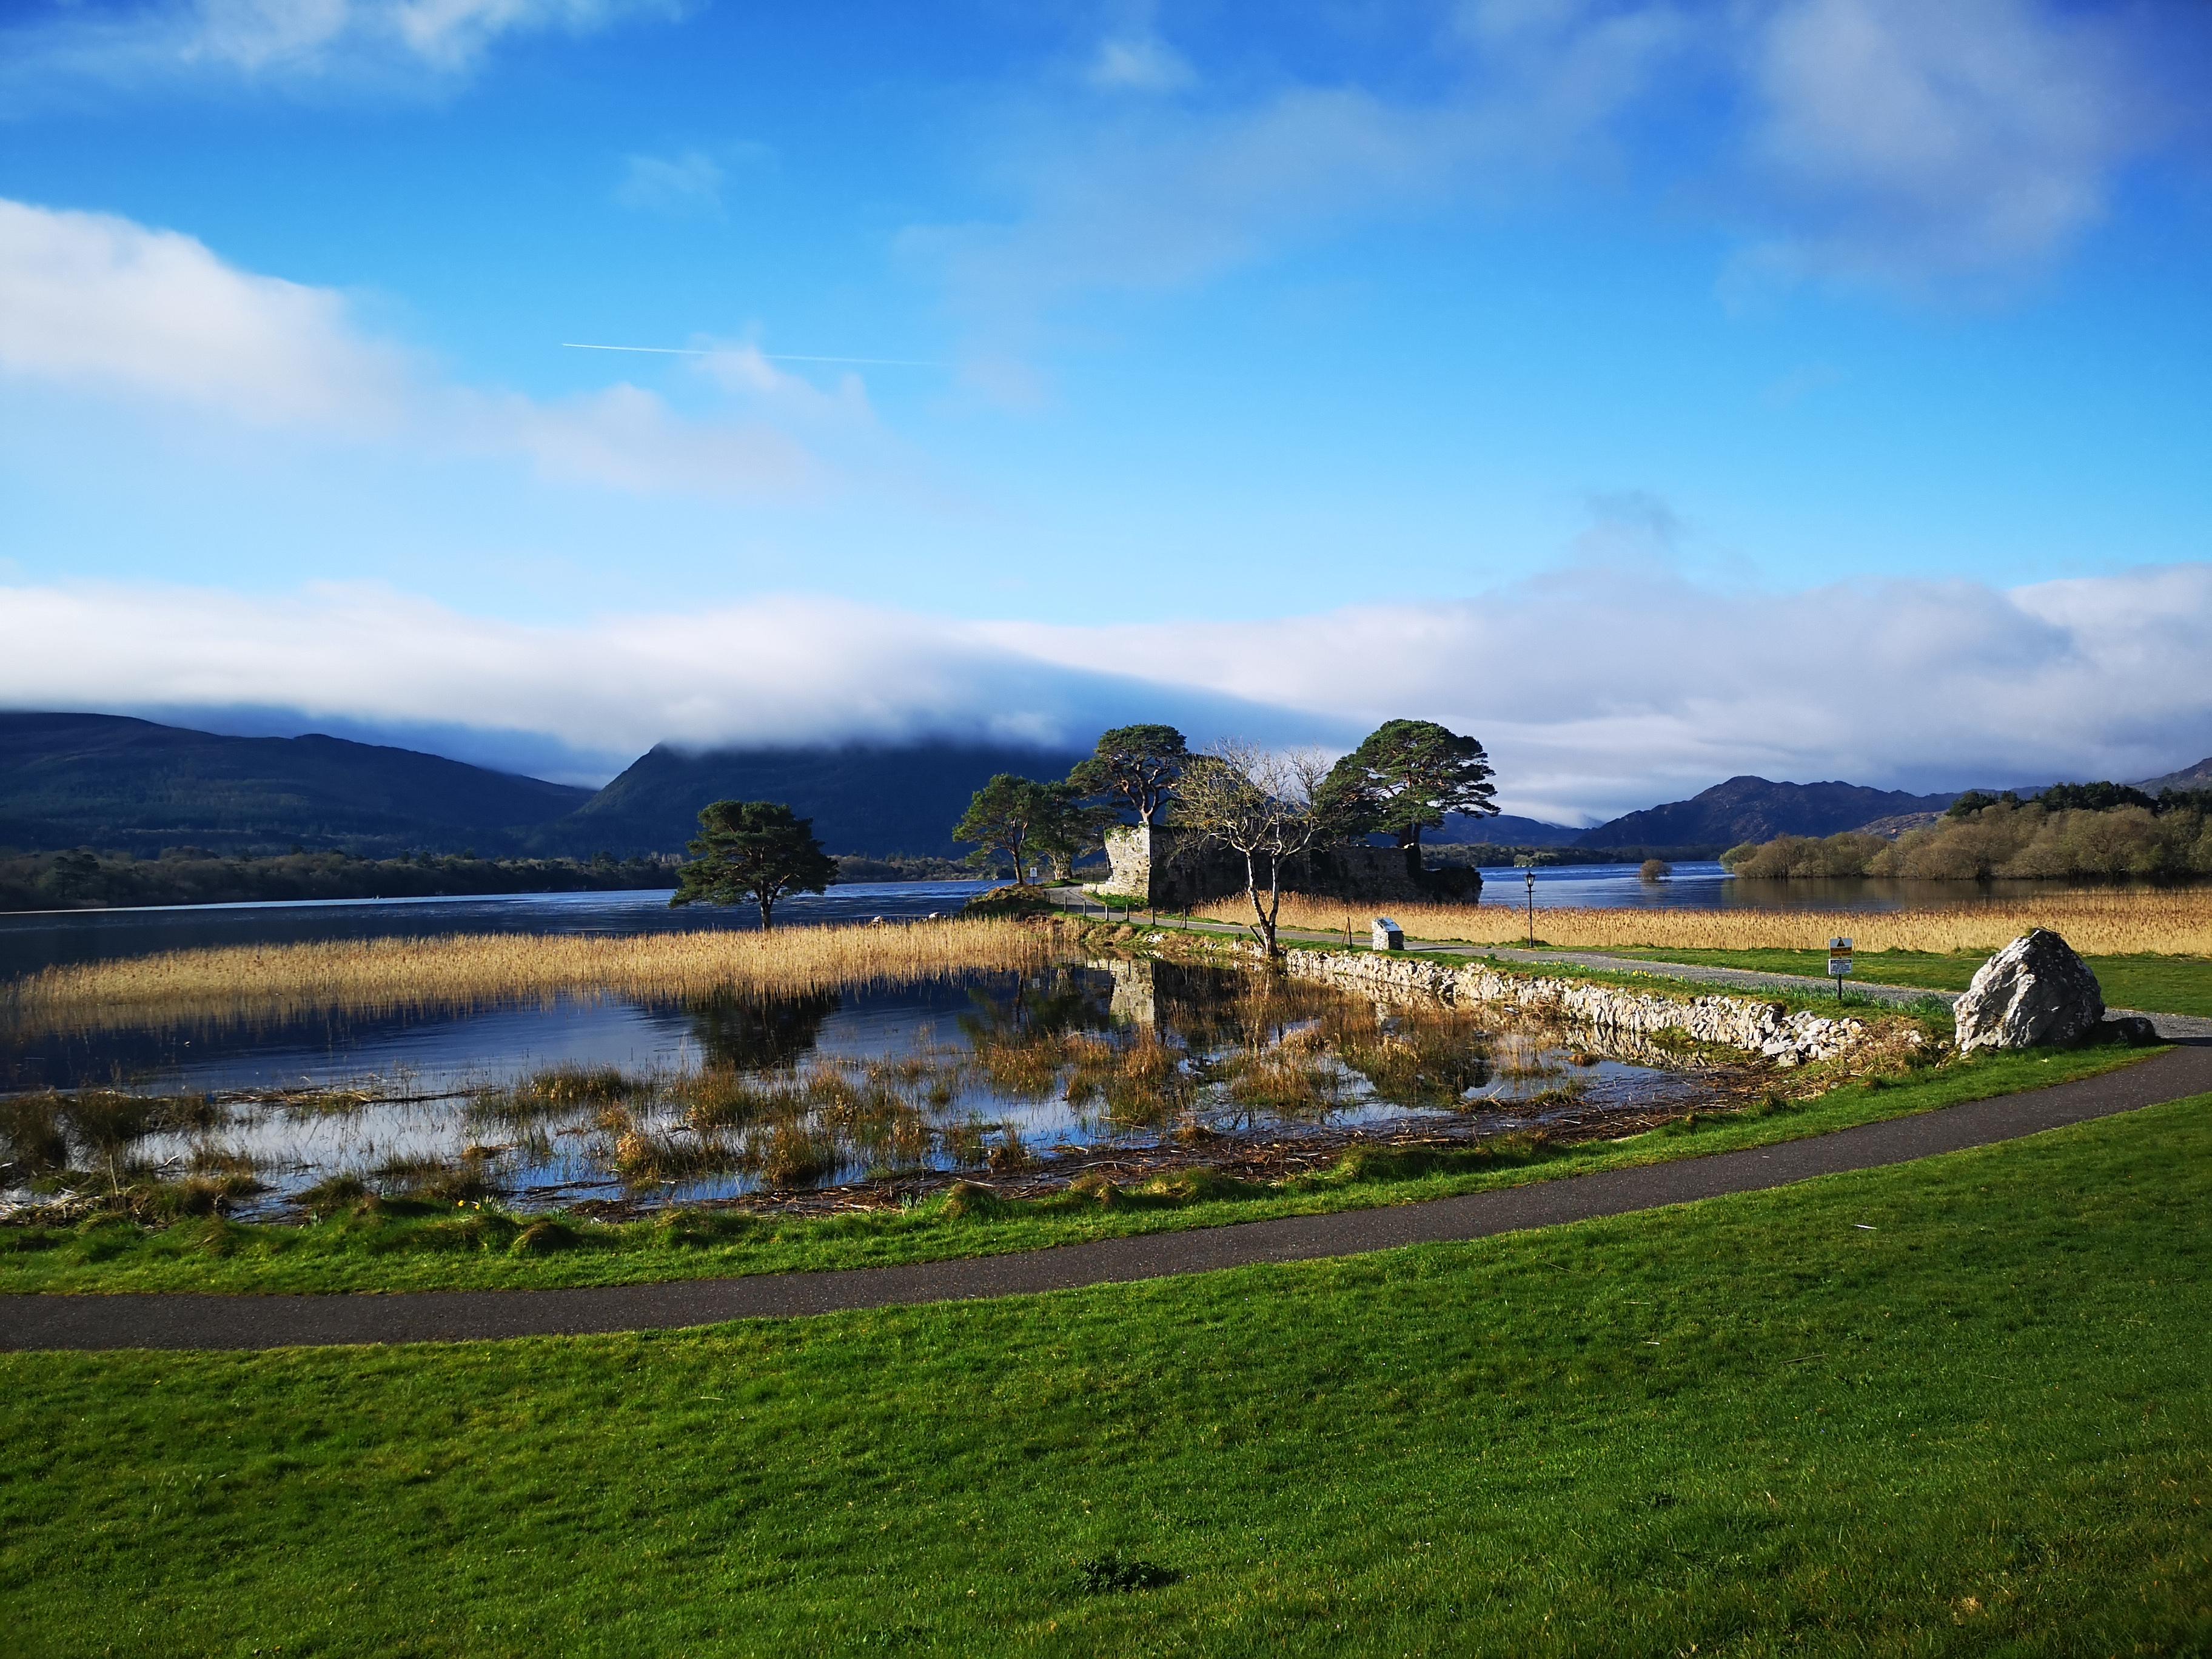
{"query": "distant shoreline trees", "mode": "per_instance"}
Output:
(2051, 837)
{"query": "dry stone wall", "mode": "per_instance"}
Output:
(1766, 1028)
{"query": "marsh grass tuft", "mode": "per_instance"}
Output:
(1291, 1080)
(792, 1155)
(467, 1179)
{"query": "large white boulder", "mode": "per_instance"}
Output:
(2033, 993)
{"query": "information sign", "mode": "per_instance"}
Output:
(1839, 962)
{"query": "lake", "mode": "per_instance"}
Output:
(42, 938)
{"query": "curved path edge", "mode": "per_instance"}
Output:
(252, 1321)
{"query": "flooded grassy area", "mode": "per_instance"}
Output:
(871, 1095)
(1099, 1085)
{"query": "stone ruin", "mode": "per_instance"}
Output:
(1168, 869)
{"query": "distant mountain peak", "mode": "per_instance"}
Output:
(1750, 808)
(2198, 776)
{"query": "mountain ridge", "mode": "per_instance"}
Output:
(2198, 776)
(871, 799)
(126, 784)
(1748, 808)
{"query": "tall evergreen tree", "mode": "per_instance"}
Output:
(1006, 815)
(1135, 766)
(1066, 827)
(752, 850)
(1405, 777)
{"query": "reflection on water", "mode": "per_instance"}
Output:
(667, 1102)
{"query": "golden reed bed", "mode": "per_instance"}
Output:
(464, 969)
(2165, 921)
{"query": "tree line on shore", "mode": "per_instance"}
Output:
(2070, 830)
(1265, 807)
(82, 878)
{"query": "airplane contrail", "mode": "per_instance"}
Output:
(771, 357)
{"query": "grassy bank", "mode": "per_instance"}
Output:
(2169, 921)
(1957, 1407)
(384, 1246)
(2167, 985)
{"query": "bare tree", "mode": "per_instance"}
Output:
(1260, 804)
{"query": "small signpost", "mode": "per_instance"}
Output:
(1839, 963)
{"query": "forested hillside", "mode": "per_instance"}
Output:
(132, 786)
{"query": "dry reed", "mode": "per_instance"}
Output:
(2165, 921)
(384, 975)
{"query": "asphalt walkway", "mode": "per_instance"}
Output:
(272, 1321)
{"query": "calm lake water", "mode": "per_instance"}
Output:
(29, 942)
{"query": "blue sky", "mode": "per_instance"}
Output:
(1807, 386)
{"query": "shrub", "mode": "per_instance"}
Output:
(965, 1198)
(545, 1235)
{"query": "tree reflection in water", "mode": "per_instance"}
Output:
(743, 1033)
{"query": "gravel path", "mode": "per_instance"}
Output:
(271, 1321)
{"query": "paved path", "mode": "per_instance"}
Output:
(269, 1322)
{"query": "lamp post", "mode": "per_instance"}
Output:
(1529, 876)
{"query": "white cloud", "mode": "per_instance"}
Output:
(1139, 63)
(89, 299)
(292, 41)
(1905, 140)
(1890, 140)
(1598, 691)
(1157, 197)
(151, 317)
(682, 186)
(772, 670)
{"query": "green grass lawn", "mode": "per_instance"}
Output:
(425, 1247)
(2166, 985)
(1956, 1406)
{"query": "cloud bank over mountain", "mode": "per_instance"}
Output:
(1598, 689)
